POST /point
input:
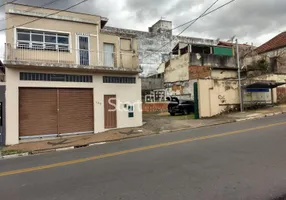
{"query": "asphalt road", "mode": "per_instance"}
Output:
(245, 160)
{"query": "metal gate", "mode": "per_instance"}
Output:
(2, 115)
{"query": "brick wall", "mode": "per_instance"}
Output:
(281, 94)
(196, 72)
(155, 107)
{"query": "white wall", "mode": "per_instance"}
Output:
(217, 96)
(125, 93)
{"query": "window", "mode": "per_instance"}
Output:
(273, 64)
(125, 44)
(117, 79)
(130, 111)
(25, 76)
(44, 40)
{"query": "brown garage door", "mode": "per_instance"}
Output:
(76, 110)
(110, 119)
(55, 111)
(38, 111)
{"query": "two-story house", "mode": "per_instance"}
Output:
(63, 75)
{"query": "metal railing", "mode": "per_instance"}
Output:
(48, 55)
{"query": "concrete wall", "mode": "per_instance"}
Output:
(152, 83)
(223, 74)
(125, 93)
(178, 69)
(217, 96)
(154, 107)
(280, 53)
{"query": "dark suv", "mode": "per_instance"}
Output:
(180, 106)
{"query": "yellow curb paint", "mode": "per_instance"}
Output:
(60, 164)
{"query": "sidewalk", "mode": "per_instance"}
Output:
(154, 124)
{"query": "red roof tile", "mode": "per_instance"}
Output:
(277, 42)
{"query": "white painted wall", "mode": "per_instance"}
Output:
(125, 93)
(216, 95)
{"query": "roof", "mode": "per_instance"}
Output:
(263, 85)
(277, 42)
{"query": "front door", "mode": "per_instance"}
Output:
(83, 46)
(108, 54)
(110, 116)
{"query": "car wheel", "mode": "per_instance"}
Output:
(172, 114)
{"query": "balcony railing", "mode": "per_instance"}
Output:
(66, 56)
(212, 60)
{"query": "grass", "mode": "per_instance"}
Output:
(11, 152)
(184, 117)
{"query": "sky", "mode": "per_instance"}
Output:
(251, 21)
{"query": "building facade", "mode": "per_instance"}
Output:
(64, 75)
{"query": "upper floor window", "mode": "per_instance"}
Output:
(42, 40)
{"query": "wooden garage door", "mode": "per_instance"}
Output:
(55, 111)
(37, 111)
(110, 117)
(76, 110)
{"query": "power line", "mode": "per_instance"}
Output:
(193, 21)
(7, 3)
(205, 14)
(47, 15)
(41, 6)
(198, 18)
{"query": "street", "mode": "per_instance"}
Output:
(243, 160)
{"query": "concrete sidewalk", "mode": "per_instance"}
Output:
(154, 124)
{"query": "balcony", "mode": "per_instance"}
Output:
(70, 58)
(211, 60)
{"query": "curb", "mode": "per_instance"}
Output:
(49, 150)
(101, 143)
(15, 155)
(260, 117)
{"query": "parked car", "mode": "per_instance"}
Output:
(180, 106)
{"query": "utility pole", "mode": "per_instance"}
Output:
(239, 78)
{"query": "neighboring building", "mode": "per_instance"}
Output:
(267, 63)
(154, 46)
(191, 62)
(64, 75)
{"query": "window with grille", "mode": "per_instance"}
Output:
(119, 79)
(43, 40)
(27, 76)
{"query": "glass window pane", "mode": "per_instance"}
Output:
(38, 32)
(83, 43)
(50, 39)
(23, 36)
(23, 31)
(37, 38)
(63, 40)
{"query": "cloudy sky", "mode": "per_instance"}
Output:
(252, 21)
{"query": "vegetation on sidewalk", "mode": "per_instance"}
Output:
(7, 152)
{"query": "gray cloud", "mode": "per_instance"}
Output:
(250, 20)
